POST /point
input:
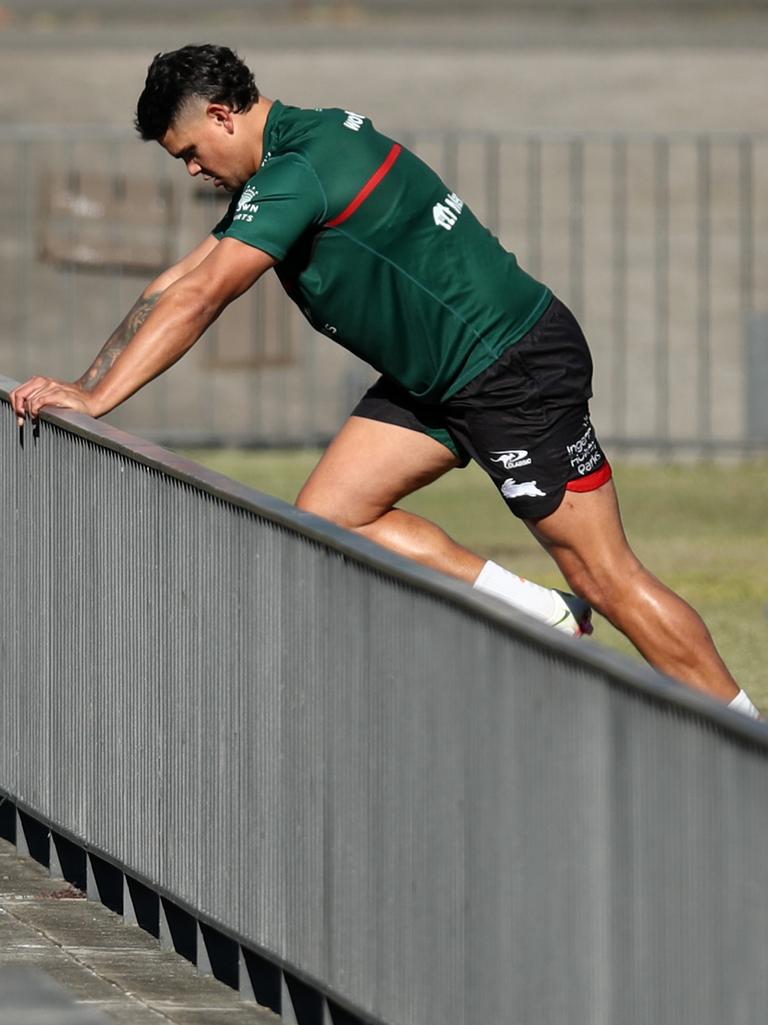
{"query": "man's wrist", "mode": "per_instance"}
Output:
(96, 401)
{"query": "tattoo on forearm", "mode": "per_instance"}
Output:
(118, 340)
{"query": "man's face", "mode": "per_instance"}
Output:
(205, 137)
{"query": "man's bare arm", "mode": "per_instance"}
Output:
(118, 340)
(120, 337)
(178, 318)
(139, 312)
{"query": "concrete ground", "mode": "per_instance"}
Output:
(113, 972)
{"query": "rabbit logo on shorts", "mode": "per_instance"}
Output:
(526, 489)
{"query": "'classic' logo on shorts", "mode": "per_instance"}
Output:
(527, 489)
(514, 457)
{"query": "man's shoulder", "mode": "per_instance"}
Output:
(290, 117)
(311, 130)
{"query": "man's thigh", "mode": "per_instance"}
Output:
(369, 467)
(585, 537)
(526, 421)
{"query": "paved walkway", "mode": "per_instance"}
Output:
(112, 969)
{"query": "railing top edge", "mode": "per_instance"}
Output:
(618, 668)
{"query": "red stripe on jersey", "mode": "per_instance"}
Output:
(592, 481)
(368, 188)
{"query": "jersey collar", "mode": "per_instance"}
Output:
(270, 126)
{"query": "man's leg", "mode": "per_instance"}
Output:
(365, 471)
(369, 467)
(587, 541)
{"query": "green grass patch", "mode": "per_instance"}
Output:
(703, 529)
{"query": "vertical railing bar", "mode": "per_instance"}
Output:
(661, 202)
(255, 338)
(288, 325)
(210, 359)
(534, 196)
(576, 224)
(451, 161)
(287, 1012)
(26, 209)
(746, 225)
(262, 350)
(620, 286)
(308, 349)
(703, 150)
(746, 271)
(24, 212)
(115, 155)
(162, 395)
(71, 269)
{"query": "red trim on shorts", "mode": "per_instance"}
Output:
(592, 481)
(368, 188)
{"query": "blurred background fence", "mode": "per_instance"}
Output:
(654, 241)
(351, 8)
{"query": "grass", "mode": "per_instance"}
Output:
(702, 528)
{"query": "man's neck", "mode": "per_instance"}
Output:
(255, 121)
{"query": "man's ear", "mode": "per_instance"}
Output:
(222, 114)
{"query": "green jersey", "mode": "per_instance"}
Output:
(379, 254)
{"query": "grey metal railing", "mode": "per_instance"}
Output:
(654, 240)
(355, 788)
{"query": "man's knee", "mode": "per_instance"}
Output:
(606, 587)
(320, 506)
(330, 507)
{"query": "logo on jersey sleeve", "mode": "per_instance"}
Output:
(354, 121)
(246, 208)
(447, 213)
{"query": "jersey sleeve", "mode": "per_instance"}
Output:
(226, 220)
(276, 206)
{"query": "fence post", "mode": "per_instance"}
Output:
(756, 377)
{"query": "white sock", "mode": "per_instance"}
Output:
(523, 594)
(741, 703)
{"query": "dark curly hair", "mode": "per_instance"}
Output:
(214, 73)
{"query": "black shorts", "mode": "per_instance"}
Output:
(525, 419)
